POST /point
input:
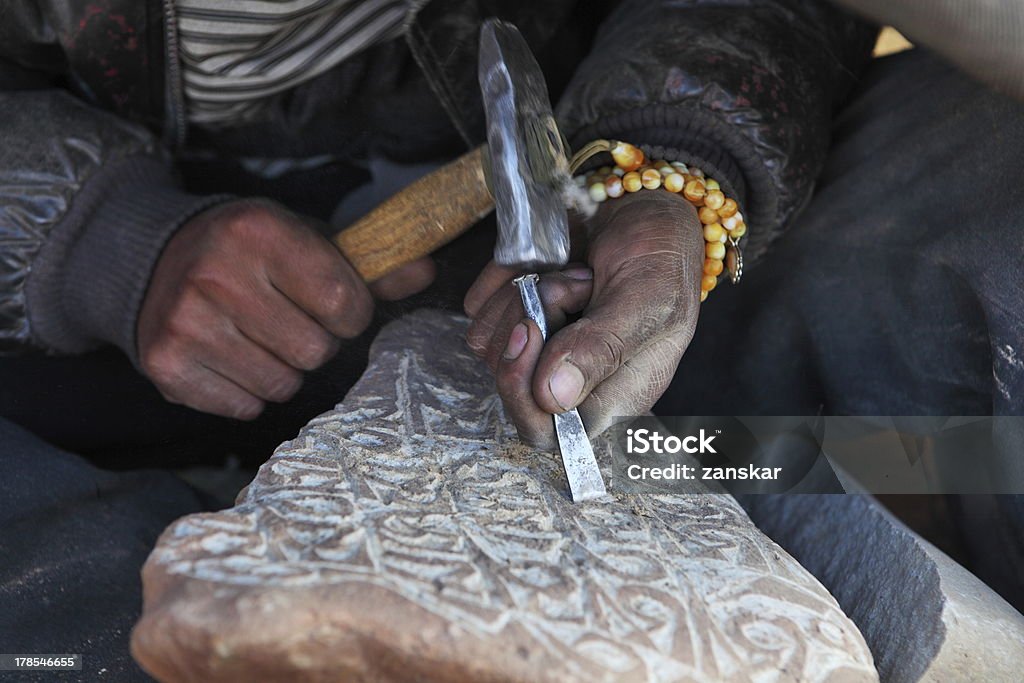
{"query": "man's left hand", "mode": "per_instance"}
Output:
(639, 296)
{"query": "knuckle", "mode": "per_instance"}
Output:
(243, 219)
(337, 295)
(602, 347)
(477, 336)
(184, 321)
(336, 300)
(202, 278)
(476, 345)
(163, 364)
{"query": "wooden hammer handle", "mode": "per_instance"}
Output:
(426, 215)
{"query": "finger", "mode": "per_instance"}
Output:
(562, 293)
(405, 281)
(198, 387)
(497, 335)
(275, 323)
(489, 317)
(317, 278)
(514, 377)
(644, 300)
(491, 279)
(259, 372)
(635, 387)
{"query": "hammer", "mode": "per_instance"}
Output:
(525, 168)
(426, 215)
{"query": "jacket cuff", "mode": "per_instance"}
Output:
(89, 280)
(702, 139)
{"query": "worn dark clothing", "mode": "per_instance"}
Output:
(899, 291)
(72, 541)
(93, 118)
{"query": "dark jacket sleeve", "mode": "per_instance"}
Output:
(744, 89)
(87, 202)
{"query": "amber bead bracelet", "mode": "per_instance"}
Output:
(719, 215)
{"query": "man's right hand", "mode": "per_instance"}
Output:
(247, 296)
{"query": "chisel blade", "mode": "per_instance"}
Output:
(581, 468)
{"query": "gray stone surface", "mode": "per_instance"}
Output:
(925, 617)
(407, 536)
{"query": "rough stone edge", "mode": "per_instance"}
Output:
(975, 634)
(210, 616)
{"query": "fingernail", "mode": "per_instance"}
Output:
(516, 342)
(578, 273)
(566, 385)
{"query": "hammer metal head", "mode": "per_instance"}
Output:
(527, 161)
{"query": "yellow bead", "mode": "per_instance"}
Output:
(680, 166)
(739, 231)
(715, 250)
(703, 295)
(708, 282)
(694, 192)
(714, 199)
(696, 172)
(731, 222)
(714, 233)
(598, 192)
(632, 182)
(729, 208)
(618, 171)
(651, 179)
(712, 184)
(674, 182)
(613, 186)
(713, 266)
(628, 157)
(707, 216)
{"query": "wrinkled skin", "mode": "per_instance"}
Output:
(638, 296)
(245, 298)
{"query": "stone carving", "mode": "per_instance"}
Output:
(925, 617)
(407, 536)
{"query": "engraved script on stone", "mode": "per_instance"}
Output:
(407, 536)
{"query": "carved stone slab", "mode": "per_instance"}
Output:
(406, 536)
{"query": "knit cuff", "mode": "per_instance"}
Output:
(699, 138)
(89, 280)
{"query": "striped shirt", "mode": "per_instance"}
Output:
(237, 53)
